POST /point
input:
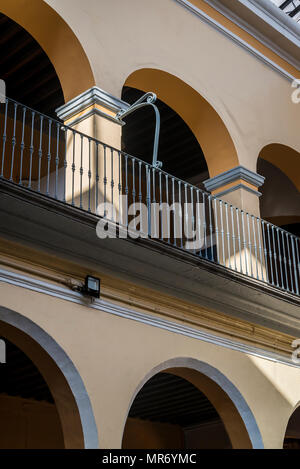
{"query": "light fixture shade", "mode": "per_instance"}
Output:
(92, 286)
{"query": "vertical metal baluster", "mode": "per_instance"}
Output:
(199, 219)
(186, 222)
(265, 250)
(222, 232)
(211, 229)
(4, 138)
(295, 266)
(148, 179)
(65, 163)
(90, 176)
(275, 257)
(57, 157)
(126, 189)
(290, 262)
(192, 216)
(140, 197)
(97, 177)
(249, 244)
(174, 212)
(297, 258)
(160, 207)
(244, 242)
(239, 238)
(279, 257)
(112, 183)
(120, 189)
(49, 156)
(260, 248)
(133, 186)
(22, 147)
(167, 202)
(154, 202)
(204, 224)
(73, 167)
(284, 260)
(255, 246)
(217, 230)
(233, 237)
(181, 214)
(228, 236)
(104, 180)
(81, 171)
(14, 142)
(31, 148)
(40, 152)
(270, 254)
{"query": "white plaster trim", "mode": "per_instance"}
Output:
(235, 188)
(234, 174)
(273, 16)
(89, 98)
(63, 293)
(236, 39)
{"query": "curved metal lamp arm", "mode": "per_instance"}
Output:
(147, 99)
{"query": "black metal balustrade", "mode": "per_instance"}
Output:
(45, 156)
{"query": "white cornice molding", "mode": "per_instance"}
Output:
(235, 174)
(91, 97)
(235, 38)
(66, 294)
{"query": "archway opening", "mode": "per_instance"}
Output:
(184, 409)
(292, 434)
(35, 396)
(203, 121)
(29, 75)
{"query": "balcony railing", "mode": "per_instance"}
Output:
(45, 156)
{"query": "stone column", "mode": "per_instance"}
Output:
(93, 163)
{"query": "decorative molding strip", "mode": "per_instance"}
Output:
(66, 294)
(233, 175)
(93, 96)
(270, 14)
(237, 187)
(235, 38)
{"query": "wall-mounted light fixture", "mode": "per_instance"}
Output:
(91, 287)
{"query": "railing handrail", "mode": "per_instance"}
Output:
(159, 170)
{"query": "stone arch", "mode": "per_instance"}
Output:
(204, 121)
(66, 386)
(58, 41)
(235, 413)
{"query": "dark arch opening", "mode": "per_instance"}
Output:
(29, 417)
(26, 69)
(170, 412)
(292, 434)
(179, 149)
